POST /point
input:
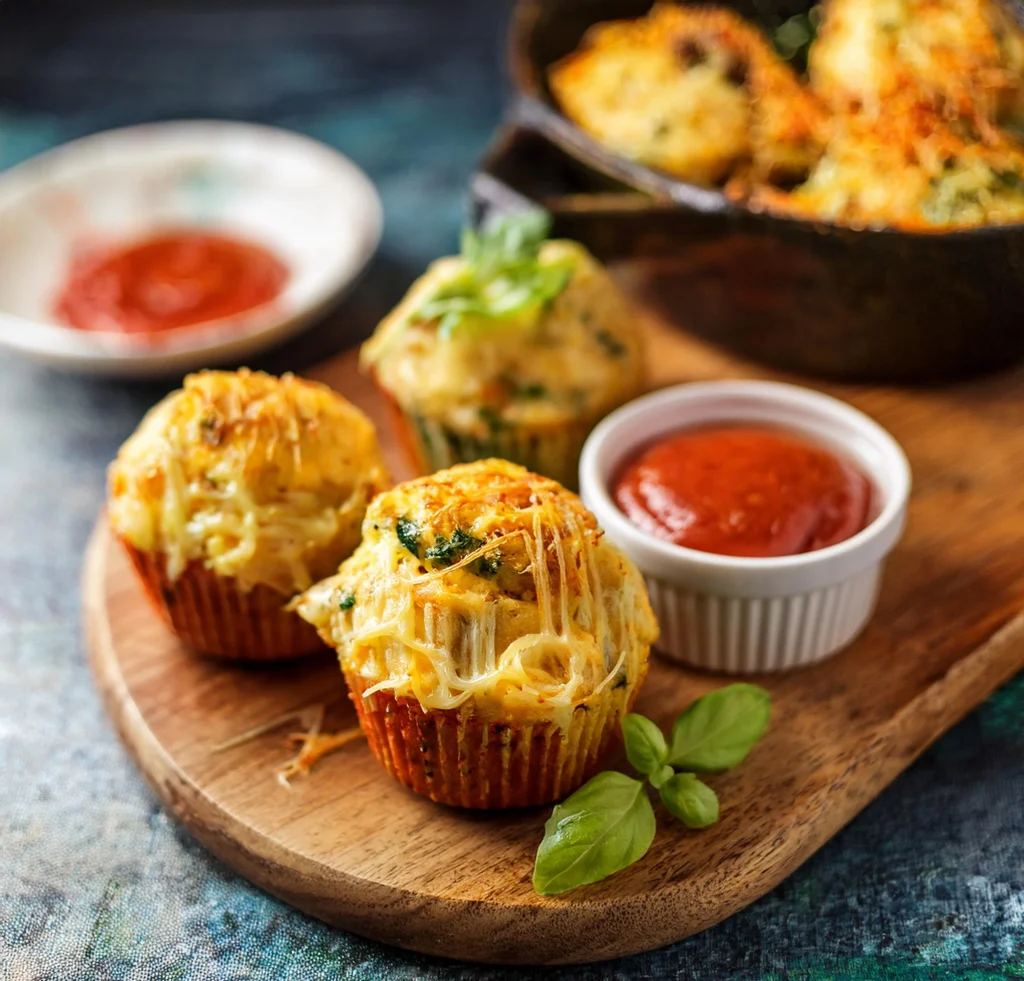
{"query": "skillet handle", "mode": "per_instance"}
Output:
(522, 169)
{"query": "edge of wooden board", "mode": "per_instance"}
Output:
(551, 931)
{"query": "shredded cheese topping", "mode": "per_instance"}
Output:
(263, 479)
(489, 585)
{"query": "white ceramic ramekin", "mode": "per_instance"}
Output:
(742, 615)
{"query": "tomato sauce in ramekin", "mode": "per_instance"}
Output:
(743, 490)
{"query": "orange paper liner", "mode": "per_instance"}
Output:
(212, 615)
(454, 757)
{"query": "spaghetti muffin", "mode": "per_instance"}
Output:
(235, 493)
(491, 637)
(514, 349)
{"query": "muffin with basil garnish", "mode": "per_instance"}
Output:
(514, 349)
(491, 636)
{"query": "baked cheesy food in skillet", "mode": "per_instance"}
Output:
(911, 115)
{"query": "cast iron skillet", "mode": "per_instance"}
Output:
(856, 304)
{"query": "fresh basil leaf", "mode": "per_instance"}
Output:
(717, 731)
(348, 600)
(603, 827)
(661, 776)
(690, 800)
(501, 277)
(646, 748)
(508, 240)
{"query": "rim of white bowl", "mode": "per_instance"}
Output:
(821, 418)
(49, 340)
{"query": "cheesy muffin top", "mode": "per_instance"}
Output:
(516, 330)
(262, 479)
(487, 584)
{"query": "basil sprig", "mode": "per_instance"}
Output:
(717, 731)
(646, 748)
(691, 800)
(605, 826)
(609, 822)
(501, 277)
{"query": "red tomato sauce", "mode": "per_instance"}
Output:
(172, 280)
(744, 491)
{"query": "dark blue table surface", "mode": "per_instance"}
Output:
(96, 882)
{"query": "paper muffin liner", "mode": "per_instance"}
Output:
(213, 615)
(553, 451)
(455, 757)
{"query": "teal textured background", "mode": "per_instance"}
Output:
(96, 882)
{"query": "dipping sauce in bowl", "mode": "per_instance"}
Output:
(760, 515)
(175, 279)
(744, 491)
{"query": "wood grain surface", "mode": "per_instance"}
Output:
(350, 846)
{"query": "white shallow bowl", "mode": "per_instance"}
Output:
(741, 615)
(304, 201)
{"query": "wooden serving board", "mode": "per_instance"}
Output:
(350, 846)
